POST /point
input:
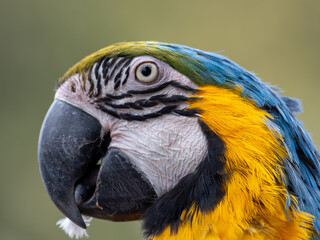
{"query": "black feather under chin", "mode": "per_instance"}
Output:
(203, 189)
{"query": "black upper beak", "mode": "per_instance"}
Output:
(70, 145)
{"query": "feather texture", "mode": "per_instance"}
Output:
(274, 187)
(254, 206)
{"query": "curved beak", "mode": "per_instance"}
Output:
(71, 143)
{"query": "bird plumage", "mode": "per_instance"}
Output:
(263, 182)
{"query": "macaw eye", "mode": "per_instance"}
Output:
(147, 72)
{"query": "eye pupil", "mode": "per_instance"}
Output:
(146, 71)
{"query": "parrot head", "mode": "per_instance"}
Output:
(186, 140)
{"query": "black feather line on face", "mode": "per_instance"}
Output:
(104, 67)
(106, 70)
(130, 93)
(145, 103)
(126, 77)
(117, 77)
(116, 66)
(162, 86)
(98, 76)
(131, 117)
(151, 102)
(125, 69)
(107, 105)
(203, 188)
(117, 84)
(90, 82)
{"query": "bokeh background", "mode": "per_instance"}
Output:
(40, 40)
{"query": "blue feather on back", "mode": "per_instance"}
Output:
(302, 169)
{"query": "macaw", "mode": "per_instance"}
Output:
(185, 140)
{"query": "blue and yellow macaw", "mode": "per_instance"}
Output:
(185, 140)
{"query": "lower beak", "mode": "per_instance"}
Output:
(70, 145)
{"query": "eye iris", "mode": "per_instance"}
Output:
(146, 70)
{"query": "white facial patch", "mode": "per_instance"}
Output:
(166, 147)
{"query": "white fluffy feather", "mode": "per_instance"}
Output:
(72, 229)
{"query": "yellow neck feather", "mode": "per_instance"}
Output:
(255, 195)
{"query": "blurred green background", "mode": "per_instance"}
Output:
(40, 40)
